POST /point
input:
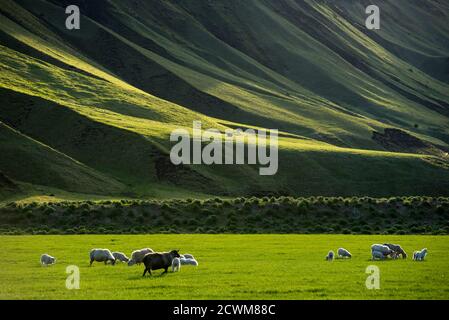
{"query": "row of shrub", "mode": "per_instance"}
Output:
(358, 215)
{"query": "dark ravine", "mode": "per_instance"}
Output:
(400, 141)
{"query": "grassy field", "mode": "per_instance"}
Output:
(230, 267)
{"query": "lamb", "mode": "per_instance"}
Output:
(397, 250)
(187, 256)
(330, 256)
(155, 261)
(137, 256)
(188, 261)
(176, 265)
(101, 255)
(420, 255)
(46, 259)
(120, 256)
(343, 253)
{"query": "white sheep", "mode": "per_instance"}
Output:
(343, 253)
(137, 256)
(420, 255)
(377, 255)
(381, 248)
(176, 265)
(190, 262)
(46, 259)
(188, 256)
(120, 256)
(101, 255)
(330, 256)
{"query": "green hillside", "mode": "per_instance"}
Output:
(37, 162)
(88, 113)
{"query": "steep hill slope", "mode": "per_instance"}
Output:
(107, 96)
(28, 160)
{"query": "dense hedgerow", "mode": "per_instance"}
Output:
(363, 215)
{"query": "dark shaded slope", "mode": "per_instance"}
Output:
(129, 157)
(28, 160)
(134, 67)
(8, 187)
(158, 46)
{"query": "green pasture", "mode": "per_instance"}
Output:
(230, 267)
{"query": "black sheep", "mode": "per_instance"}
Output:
(156, 260)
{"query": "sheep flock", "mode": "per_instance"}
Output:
(380, 252)
(174, 260)
(137, 257)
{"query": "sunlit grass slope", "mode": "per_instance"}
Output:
(107, 96)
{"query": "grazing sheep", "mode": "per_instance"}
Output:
(47, 260)
(176, 265)
(377, 255)
(137, 256)
(189, 262)
(394, 255)
(187, 256)
(120, 256)
(343, 253)
(381, 248)
(155, 261)
(397, 250)
(420, 255)
(101, 255)
(330, 256)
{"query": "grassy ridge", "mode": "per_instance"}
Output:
(239, 266)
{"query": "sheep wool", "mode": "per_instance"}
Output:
(101, 255)
(138, 255)
(46, 259)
